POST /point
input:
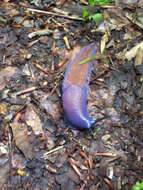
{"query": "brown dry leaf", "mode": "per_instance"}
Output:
(10, 9)
(21, 138)
(32, 119)
(5, 75)
(51, 106)
(52, 109)
(133, 20)
(133, 52)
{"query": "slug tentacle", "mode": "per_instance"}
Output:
(75, 87)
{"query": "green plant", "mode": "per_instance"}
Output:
(88, 59)
(96, 17)
(86, 15)
(138, 186)
(97, 131)
(99, 2)
(97, 56)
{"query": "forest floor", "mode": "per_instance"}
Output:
(38, 149)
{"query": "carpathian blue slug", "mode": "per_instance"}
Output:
(75, 87)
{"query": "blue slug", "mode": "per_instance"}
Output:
(75, 87)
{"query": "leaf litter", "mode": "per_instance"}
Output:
(38, 150)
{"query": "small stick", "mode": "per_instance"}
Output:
(52, 151)
(55, 14)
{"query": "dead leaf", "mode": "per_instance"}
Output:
(5, 75)
(131, 18)
(10, 9)
(52, 108)
(21, 138)
(32, 119)
(133, 52)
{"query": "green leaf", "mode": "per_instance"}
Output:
(96, 17)
(87, 59)
(138, 186)
(97, 130)
(84, 14)
(91, 3)
(97, 56)
(99, 2)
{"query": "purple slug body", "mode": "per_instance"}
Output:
(75, 87)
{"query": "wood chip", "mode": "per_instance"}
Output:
(67, 42)
(40, 33)
(139, 57)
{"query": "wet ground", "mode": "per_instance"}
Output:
(38, 149)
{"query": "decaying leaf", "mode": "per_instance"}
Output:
(10, 9)
(51, 107)
(5, 75)
(133, 52)
(133, 20)
(21, 139)
(32, 119)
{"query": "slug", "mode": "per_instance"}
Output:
(75, 87)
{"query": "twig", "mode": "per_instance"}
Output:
(52, 151)
(55, 14)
